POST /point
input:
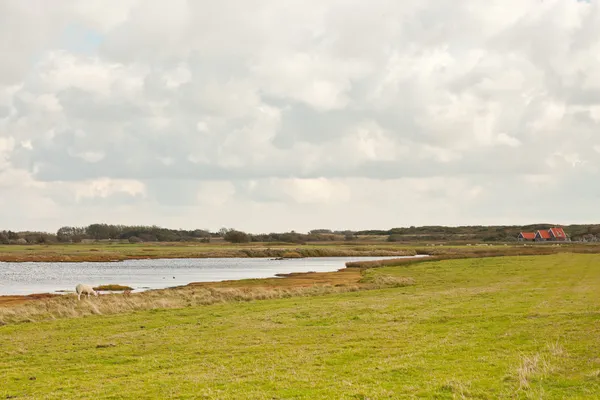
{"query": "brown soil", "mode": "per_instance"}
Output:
(7, 301)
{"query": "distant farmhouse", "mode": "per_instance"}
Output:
(543, 235)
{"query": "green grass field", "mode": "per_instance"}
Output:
(502, 327)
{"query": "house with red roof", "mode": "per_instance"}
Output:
(526, 236)
(557, 234)
(544, 235)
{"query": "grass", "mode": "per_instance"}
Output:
(106, 251)
(462, 252)
(113, 287)
(503, 327)
(121, 251)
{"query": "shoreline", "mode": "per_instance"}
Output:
(343, 276)
(278, 280)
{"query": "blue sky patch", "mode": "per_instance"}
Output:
(80, 39)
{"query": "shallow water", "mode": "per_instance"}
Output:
(50, 277)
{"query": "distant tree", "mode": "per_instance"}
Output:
(202, 234)
(320, 231)
(223, 231)
(292, 237)
(147, 237)
(99, 231)
(234, 236)
(135, 239)
(68, 234)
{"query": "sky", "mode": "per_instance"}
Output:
(278, 115)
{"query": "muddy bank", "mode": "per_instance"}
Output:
(344, 276)
(7, 301)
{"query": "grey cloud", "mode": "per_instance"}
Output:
(301, 123)
(173, 192)
(189, 92)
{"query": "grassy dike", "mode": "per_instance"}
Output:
(498, 327)
(125, 251)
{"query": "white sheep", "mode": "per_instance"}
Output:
(85, 289)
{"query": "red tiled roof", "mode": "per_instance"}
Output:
(557, 232)
(528, 235)
(544, 234)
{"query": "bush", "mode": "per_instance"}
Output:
(234, 236)
(135, 239)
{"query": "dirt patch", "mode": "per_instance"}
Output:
(8, 301)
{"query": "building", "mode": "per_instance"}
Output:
(523, 236)
(558, 234)
(544, 235)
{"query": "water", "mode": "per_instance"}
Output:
(49, 277)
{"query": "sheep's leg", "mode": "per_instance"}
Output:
(79, 296)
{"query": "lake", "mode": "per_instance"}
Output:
(50, 277)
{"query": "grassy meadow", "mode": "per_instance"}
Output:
(499, 327)
(115, 251)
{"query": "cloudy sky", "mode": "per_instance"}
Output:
(273, 115)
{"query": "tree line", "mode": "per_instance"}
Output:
(140, 233)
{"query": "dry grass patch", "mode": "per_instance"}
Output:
(67, 306)
(112, 288)
(291, 254)
(346, 276)
(390, 281)
(531, 366)
(539, 366)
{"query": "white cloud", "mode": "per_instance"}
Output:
(505, 139)
(106, 187)
(215, 193)
(426, 111)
